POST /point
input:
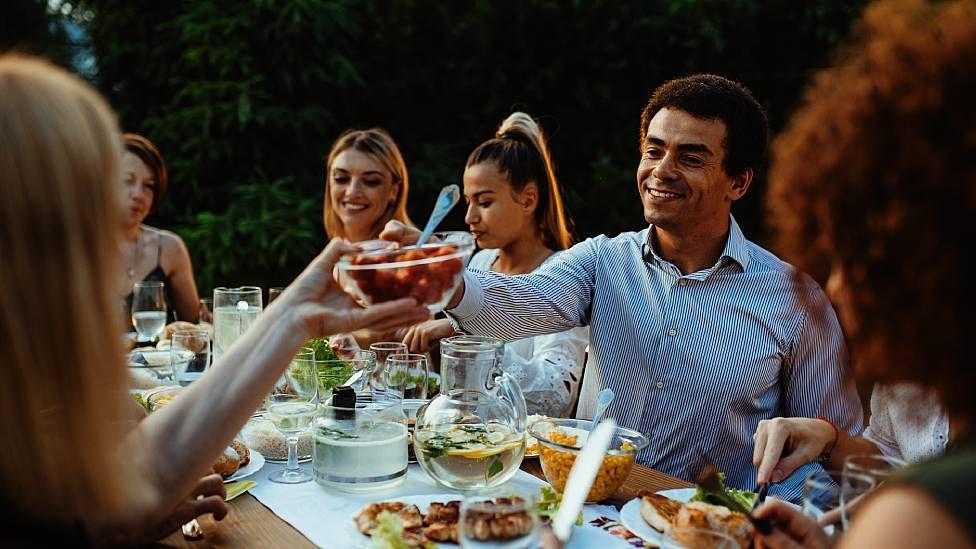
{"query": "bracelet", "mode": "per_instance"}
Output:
(826, 455)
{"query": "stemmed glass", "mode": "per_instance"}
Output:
(148, 309)
(830, 497)
(516, 511)
(407, 375)
(384, 350)
(292, 405)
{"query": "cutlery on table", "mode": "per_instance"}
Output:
(709, 481)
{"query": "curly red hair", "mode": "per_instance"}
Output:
(876, 178)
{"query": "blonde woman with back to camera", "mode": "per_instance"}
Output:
(76, 472)
(516, 215)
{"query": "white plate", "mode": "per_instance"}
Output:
(422, 503)
(630, 515)
(253, 466)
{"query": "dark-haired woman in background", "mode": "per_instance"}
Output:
(517, 217)
(147, 253)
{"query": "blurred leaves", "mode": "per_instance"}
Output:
(245, 97)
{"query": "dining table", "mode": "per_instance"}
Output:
(251, 524)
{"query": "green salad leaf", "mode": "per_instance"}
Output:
(389, 533)
(548, 505)
(745, 497)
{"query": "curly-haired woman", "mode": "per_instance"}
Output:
(875, 182)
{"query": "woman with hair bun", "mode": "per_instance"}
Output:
(516, 215)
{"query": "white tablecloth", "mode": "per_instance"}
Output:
(325, 517)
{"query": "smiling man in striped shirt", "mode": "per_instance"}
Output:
(699, 332)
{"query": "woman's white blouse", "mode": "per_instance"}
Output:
(549, 367)
(907, 423)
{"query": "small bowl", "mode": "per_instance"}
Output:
(430, 274)
(161, 396)
(558, 453)
(261, 435)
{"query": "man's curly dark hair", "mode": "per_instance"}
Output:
(716, 98)
(875, 179)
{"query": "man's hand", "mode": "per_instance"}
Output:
(420, 338)
(321, 308)
(783, 444)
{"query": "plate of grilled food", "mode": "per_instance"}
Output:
(650, 515)
(420, 520)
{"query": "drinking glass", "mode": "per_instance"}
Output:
(853, 488)
(826, 492)
(235, 309)
(406, 375)
(360, 447)
(205, 311)
(686, 537)
(273, 293)
(148, 309)
(384, 350)
(340, 371)
(517, 512)
(189, 354)
(876, 466)
(292, 405)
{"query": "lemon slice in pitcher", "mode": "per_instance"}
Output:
(479, 451)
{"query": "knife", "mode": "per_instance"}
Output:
(581, 478)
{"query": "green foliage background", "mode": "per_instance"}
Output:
(245, 97)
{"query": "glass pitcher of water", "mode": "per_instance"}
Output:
(235, 309)
(472, 435)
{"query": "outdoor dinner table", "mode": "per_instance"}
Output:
(251, 524)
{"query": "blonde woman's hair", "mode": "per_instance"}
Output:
(377, 143)
(62, 378)
(519, 149)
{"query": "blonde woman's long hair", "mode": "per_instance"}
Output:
(377, 143)
(519, 149)
(62, 379)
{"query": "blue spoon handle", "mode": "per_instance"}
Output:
(603, 401)
(446, 200)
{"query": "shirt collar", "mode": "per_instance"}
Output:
(735, 246)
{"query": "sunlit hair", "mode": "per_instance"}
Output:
(876, 177)
(62, 378)
(150, 155)
(378, 144)
(519, 150)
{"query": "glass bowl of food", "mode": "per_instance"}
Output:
(561, 440)
(161, 396)
(430, 273)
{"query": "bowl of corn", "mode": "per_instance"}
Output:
(561, 440)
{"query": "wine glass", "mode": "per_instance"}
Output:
(148, 309)
(342, 370)
(853, 487)
(292, 405)
(876, 466)
(515, 511)
(384, 350)
(406, 374)
(826, 492)
(273, 293)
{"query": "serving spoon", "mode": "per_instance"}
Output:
(603, 401)
(446, 200)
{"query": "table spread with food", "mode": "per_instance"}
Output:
(372, 448)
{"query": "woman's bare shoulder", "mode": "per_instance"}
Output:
(882, 522)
